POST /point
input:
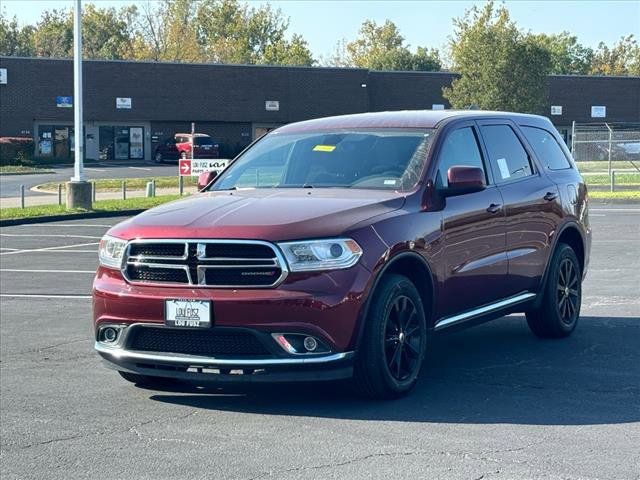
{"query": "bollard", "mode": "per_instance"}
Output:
(93, 192)
(181, 185)
(21, 196)
(124, 189)
(613, 181)
(149, 190)
(59, 194)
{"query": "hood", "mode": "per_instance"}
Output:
(265, 214)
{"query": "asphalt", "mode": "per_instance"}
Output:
(493, 402)
(10, 184)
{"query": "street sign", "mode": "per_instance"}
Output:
(193, 168)
(184, 167)
(208, 165)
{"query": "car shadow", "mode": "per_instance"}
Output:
(494, 373)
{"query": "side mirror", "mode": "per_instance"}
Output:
(464, 180)
(205, 178)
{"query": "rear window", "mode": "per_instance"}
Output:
(546, 147)
(509, 160)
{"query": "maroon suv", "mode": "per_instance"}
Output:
(335, 248)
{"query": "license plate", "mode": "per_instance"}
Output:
(187, 313)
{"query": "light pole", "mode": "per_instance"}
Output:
(78, 189)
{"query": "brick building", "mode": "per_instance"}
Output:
(129, 107)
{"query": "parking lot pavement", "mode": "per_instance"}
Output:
(494, 402)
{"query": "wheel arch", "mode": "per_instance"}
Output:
(416, 268)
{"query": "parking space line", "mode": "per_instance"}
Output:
(140, 168)
(40, 295)
(60, 247)
(614, 210)
(96, 225)
(46, 236)
(7, 248)
(45, 271)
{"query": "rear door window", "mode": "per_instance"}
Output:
(460, 149)
(546, 147)
(508, 158)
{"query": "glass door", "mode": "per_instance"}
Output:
(121, 141)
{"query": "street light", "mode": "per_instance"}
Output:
(78, 189)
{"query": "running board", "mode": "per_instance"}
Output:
(463, 317)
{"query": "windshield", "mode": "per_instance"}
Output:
(384, 158)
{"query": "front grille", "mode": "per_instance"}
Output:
(204, 263)
(202, 342)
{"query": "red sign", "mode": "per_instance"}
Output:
(184, 167)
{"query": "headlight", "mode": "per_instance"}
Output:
(110, 251)
(329, 254)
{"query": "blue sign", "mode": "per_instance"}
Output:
(64, 102)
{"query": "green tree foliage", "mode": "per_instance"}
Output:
(568, 57)
(621, 59)
(381, 47)
(15, 40)
(500, 68)
(233, 32)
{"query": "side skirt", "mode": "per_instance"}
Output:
(489, 310)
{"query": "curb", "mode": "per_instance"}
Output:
(69, 216)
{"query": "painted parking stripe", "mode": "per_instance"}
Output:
(39, 295)
(61, 247)
(18, 270)
(90, 225)
(45, 235)
(616, 210)
(140, 168)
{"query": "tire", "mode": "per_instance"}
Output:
(159, 158)
(558, 313)
(394, 341)
(147, 380)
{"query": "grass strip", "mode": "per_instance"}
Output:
(22, 170)
(14, 213)
(115, 184)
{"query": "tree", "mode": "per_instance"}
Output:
(231, 32)
(53, 35)
(622, 59)
(106, 33)
(383, 48)
(13, 39)
(568, 57)
(500, 68)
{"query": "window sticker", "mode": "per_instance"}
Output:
(504, 168)
(324, 148)
(390, 182)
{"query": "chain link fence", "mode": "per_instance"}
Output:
(613, 143)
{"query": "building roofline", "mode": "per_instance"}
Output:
(301, 67)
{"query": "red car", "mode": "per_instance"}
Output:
(335, 248)
(179, 146)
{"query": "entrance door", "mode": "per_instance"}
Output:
(121, 143)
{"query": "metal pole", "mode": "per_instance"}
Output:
(193, 132)
(93, 191)
(59, 194)
(613, 181)
(153, 187)
(573, 138)
(180, 185)
(78, 170)
(21, 196)
(609, 148)
(124, 189)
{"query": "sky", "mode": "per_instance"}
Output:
(423, 23)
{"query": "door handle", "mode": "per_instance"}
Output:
(550, 196)
(494, 208)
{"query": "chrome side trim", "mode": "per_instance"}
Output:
(449, 321)
(119, 353)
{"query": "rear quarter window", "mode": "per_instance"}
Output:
(546, 147)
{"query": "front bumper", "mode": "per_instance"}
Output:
(225, 369)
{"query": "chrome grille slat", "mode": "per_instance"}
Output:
(262, 267)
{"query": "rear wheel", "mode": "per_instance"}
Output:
(147, 380)
(394, 341)
(559, 310)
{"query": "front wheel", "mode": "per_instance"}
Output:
(394, 341)
(558, 313)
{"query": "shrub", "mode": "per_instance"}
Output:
(16, 150)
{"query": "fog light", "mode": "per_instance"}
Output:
(109, 334)
(310, 344)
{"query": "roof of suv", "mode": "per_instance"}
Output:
(398, 119)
